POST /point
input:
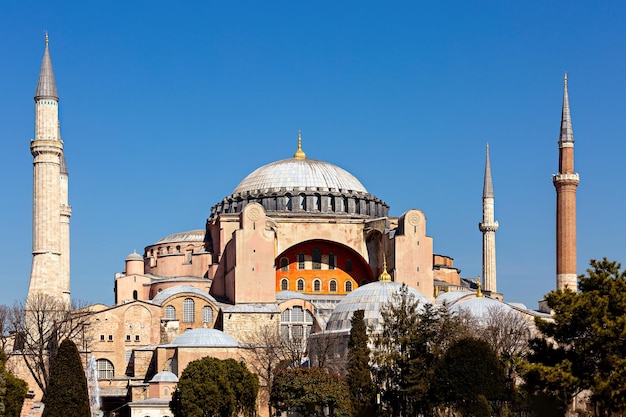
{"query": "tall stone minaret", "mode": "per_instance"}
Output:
(488, 227)
(51, 212)
(565, 183)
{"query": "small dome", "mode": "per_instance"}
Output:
(299, 173)
(204, 338)
(161, 297)
(164, 376)
(451, 297)
(370, 298)
(480, 307)
(134, 257)
(190, 236)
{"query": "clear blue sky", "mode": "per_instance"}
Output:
(166, 106)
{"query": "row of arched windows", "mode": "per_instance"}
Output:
(316, 261)
(317, 285)
(189, 313)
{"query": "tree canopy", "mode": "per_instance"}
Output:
(211, 387)
(67, 388)
(585, 345)
(359, 373)
(309, 391)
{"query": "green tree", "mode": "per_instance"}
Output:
(359, 374)
(589, 348)
(67, 388)
(211, 387)
(310, 392)
(470, 369)
(245, 386)
(12, 390)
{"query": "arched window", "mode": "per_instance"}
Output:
(332, 285)
(300, 285)
(207, 314)
(348, 265)
(317, 258)
(188, 310)
(301, 261)
(284, 284)
(331, 261)
(135, 295)
(348, 286)
(170, 313)
(302, 202)
(317, 285)
(105, 369)
(284, 264)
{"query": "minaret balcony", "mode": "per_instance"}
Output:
(565, 178)
(488, 226)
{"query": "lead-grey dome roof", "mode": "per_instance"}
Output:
(296, 173)
(481, 308)
(370, 298)
(165, 376)
(190, 236)
(204, 338)
(161, 297)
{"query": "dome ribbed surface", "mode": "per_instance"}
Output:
(190, 236)
(480, 307)
(205, 338)
(370, 298)
(293, 173)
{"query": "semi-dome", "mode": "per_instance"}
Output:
(370, 298)
(295, 173)
(204, 338)
(162, 296)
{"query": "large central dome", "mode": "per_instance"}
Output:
(303, 186)
(300, 173)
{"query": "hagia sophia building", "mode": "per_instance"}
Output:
(299, 244)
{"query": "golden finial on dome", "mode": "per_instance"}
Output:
(385, 275)
(479, 292)
(299, 153)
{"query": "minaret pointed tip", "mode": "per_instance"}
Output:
(488, 182)
(46, 85)
(567, 132)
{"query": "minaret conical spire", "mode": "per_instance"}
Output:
(567, 133)
(46, 86)
(488, 184)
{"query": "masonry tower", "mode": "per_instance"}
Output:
(51, 213)
(565, 183)
(488, 228)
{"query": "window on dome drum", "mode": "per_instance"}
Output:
(207, 314)
(348, 286)
(317, 285)
(317, 258)
(300, 285)
(331, 203)
(332, 285)
(301, 261)
(288, 202)
(317, 202)
(302, 202)
(284, 284)
(188, 310)
(284, 264)
(105, 369)
(348, 265)
(170, 313)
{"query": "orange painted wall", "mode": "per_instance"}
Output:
(360, 272)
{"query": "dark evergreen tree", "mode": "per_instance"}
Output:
(12, 390)
(589, 348)
(205, 390)
(468, 370)
(309, 392)
(67, 394)
(359, 374)
(245, 386)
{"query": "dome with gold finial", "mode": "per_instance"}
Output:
(370, 298)
(301, 184)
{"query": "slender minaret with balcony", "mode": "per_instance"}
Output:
(51, 211)
(565, 183)
(488, 228)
